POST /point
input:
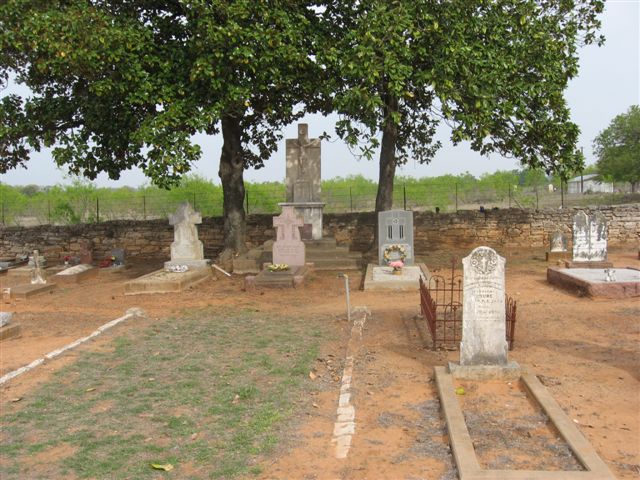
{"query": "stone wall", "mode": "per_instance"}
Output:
(505, 229)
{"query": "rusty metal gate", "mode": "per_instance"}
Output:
(441, 305)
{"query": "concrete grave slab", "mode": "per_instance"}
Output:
(464, 453)
(383, 278)
(591, 281)
(162, 281)
(12, 330)
(76, 274)
(27, 291)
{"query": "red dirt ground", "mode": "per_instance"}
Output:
(586, 352)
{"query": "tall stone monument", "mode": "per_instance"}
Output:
(395, 228)
(186, 249)
(484, 340)
(589, 237)
(288, 247)
(303, 179)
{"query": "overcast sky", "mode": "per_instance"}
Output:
(608, 83)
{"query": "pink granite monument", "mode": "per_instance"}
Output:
(288, 248)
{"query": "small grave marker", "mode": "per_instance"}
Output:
(395, 228)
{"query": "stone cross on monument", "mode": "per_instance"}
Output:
(186, 249)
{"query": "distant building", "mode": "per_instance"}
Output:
(590, 183)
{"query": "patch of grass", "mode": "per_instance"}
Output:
(212, 389)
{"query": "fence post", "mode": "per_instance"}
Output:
(537, 207)
(562, 193)
(246, 196)
(194, 200)
(3, 211)
(509, 195)
(144, 207)
(404, 194)
(350, 199)
(97, 210)
(456, 197)
(49, 210)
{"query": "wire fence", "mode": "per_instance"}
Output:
(144, 205)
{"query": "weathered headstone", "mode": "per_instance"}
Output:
(288, 248)
(303, 167)
(483, 312)
(557, 247)
(557, 242)
(186, 249)
(42, 261)
(38, 276)
(395, 228)
(589, 237)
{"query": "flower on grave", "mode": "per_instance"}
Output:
(66, 259)
(277, 267)
(396, 265)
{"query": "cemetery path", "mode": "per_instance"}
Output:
(586, 352)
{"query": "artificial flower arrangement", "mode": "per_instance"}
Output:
(398, 262)
(277, 267)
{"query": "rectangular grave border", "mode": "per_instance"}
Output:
(465, 456)
(441, 307)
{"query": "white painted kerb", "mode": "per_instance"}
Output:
(132, 312)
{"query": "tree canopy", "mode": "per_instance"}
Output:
(618, 148)
(495, 71)
(122, 84)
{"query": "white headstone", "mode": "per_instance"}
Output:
(589, 237)
(186, 249)
(483, 313)
(557, 242)
(37, 272)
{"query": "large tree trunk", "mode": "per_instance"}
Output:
(384, 197)
(231, 174)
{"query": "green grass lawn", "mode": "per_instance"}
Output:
(210, 392)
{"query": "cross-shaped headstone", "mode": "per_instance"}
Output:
(287, 224)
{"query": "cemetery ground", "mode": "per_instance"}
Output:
(219, 382)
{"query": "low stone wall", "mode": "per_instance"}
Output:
(506, 229)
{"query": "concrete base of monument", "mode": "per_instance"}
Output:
(162, 281)
(510, 371)
(384, 278)
(555, 256)
(10, 331)
(598, 264)
(291, 278)
(464, 454)
(28, 290)
(591, 282)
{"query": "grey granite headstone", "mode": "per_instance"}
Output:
(119, 255)
(5, 318)
(186, 249)
(288, 247)
(303, 167)
(557, 242)
(483, 312)
(395, 227)
(589, 237)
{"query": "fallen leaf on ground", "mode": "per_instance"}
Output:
(167, 467)
(90, 389)
(460, 391)
(236, 399)
(17, 399)
(312, 376)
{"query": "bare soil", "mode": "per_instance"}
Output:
(586, 351)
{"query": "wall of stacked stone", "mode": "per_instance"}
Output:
(507, 229)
